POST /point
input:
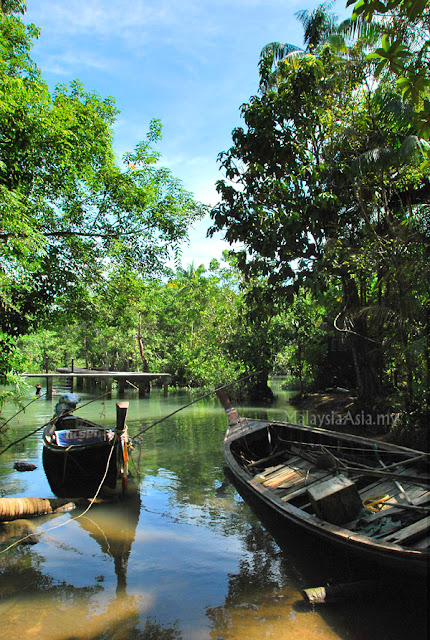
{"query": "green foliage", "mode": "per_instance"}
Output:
(11, 365)
(325, 189)
(305, 346)
(68, 212)
(185, 323)
(404, 50)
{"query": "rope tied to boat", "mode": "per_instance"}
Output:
(135, 438)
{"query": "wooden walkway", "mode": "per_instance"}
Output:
(68, 378)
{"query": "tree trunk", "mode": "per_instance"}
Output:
(367, 378)
(145, 364)
(300, 367)
(258, 388)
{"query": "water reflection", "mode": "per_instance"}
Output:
(261, 598)
(188, 562)
(113, 526)
(265, 595)
(34, 604)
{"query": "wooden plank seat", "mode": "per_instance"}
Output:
(270, 472)
(293, 471)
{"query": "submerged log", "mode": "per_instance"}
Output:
(15, 508)
(341, 592)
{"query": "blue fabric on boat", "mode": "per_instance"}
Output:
(73, 398)
(67, 402)
(67, 437)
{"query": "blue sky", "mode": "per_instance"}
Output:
(191, 63)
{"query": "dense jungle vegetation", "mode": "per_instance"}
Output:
(326, 186)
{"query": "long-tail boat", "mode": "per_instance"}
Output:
(82, 458)
(367, 496)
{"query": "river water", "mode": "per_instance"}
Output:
(186, 560)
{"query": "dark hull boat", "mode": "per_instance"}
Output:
(82, 459)
(366, 497)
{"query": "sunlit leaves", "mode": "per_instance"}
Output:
(367, 8)
(404, 50)
(66, 206)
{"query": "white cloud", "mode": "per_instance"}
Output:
(133, 23)
(66, 62)
(196, 25)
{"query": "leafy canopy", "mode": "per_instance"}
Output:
(69, 212)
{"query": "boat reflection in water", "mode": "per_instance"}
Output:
(38, 601)
(91, 600)
(113, 526)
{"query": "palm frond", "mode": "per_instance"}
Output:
(410, 146)
(371, 32)
(318, 24)
(397, 107)
(277, 50)
(338, 43)
(293, 59)
(375, 157)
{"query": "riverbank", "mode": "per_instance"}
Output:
(341, 410)
(326, 401)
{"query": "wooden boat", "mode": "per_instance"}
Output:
(367, 497)
(80, 455)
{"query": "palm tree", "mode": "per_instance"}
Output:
(318, 26)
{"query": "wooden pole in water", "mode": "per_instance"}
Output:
(121, 434)
(48, 388)
(121, 415)
(363, 589)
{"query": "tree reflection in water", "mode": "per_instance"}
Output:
(261, 597)
(33, 604)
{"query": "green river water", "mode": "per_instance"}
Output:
(187, 560)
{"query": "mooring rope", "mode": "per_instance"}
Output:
(206, 395)
(22, 409)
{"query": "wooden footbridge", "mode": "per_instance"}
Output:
(75, 378)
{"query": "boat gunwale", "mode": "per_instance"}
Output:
(255, 424)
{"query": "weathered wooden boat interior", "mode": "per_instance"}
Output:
(372, 489)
